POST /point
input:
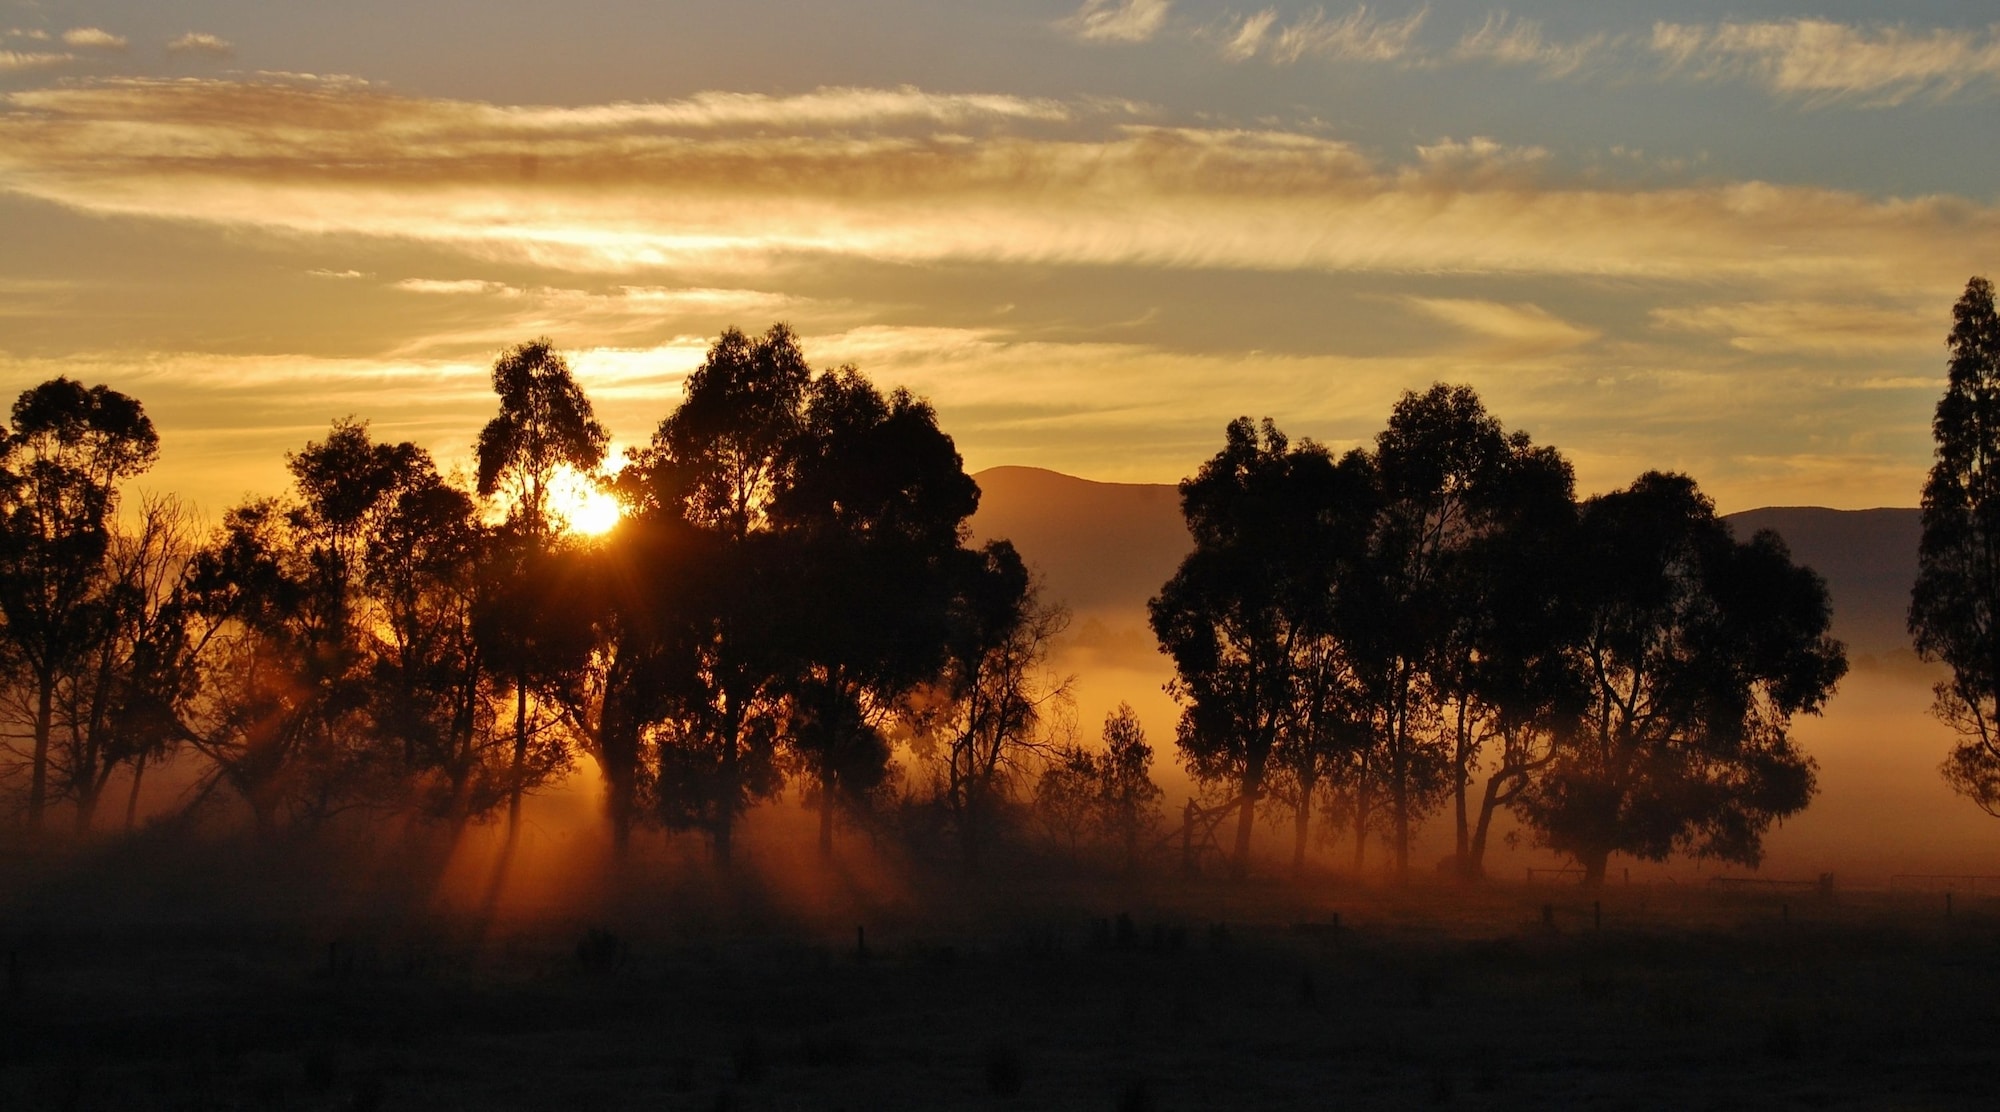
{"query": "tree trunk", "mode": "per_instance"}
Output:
(725, 803)
(1594, 862)
(520, 756)
(1462, 766)
(1399, 784)
(1475, 861)
(825, 820)
(38, 781)
(1363, 806)
(1253, 781)
(132, 800)
(88, 790)
(1302, 821)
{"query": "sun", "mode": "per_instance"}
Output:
(579, 503)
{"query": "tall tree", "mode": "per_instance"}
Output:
(985, 715)
(1270, 524)
(872, 509)
(433, 690)
(1405, 620)
(1955, 606)
(716, 463)
(1128, 802)
(60, 466)
(107, 703)
(1698, 650)
(545, 425)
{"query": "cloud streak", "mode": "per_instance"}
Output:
(201, 42)
(1816, 62)
(894, 176)
(1358, 36)
(1819, 61)
(1117, 20)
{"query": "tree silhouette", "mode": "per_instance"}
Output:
(1407, 614)
(1698, 650)
(108, 705)
(1249, 604)
(60, 466)
(1955, 606)
(1519, 688)
(983, 717)
(545, 424)
(872, 509)
(1128, 802)
(715, 464)
(433, 691)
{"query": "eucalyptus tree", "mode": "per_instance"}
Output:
(1697, 650)
(984, 717)
(280, 618)
(1272, 526)
(1128, 801)
(872, 512)
(716, 464)
(433, 690)
(1955, 606)
(1403, 620)
(545, 425)
(1521, 689)
(106, 704)
(60, 468)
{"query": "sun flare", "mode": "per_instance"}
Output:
(582, 506)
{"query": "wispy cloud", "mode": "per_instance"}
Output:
(621, 188)
(1358, 36)
(1117, 20)
(1815, 61)
(14, 61)
(201, 42)
(93, 38)
(1507, 40)
(1506, 330)
(1822, 61)
(1809, 327)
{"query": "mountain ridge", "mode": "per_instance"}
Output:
(1105, 548)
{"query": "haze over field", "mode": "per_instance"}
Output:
(1697, 238)
(1882, 808)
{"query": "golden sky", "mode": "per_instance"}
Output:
(1092, 234)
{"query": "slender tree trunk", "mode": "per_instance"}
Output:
(88, 790)
(38, 781)
(132, 800)
(1462, 766)
(1253, 782)
(1594, 862)
(825, 817)
(1301, 823)
(1475, 862)
(725, 803)
(1364, 806)
(1399, 787)
(519, 769)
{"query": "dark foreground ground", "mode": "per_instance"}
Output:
(1021, 995)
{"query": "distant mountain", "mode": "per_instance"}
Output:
(1099, 546)
(1869, 559)
(1107, 547)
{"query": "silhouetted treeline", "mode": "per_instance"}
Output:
(1438, 622)
(787, 591)
(789, 599)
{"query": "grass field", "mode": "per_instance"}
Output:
(1025, 991)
